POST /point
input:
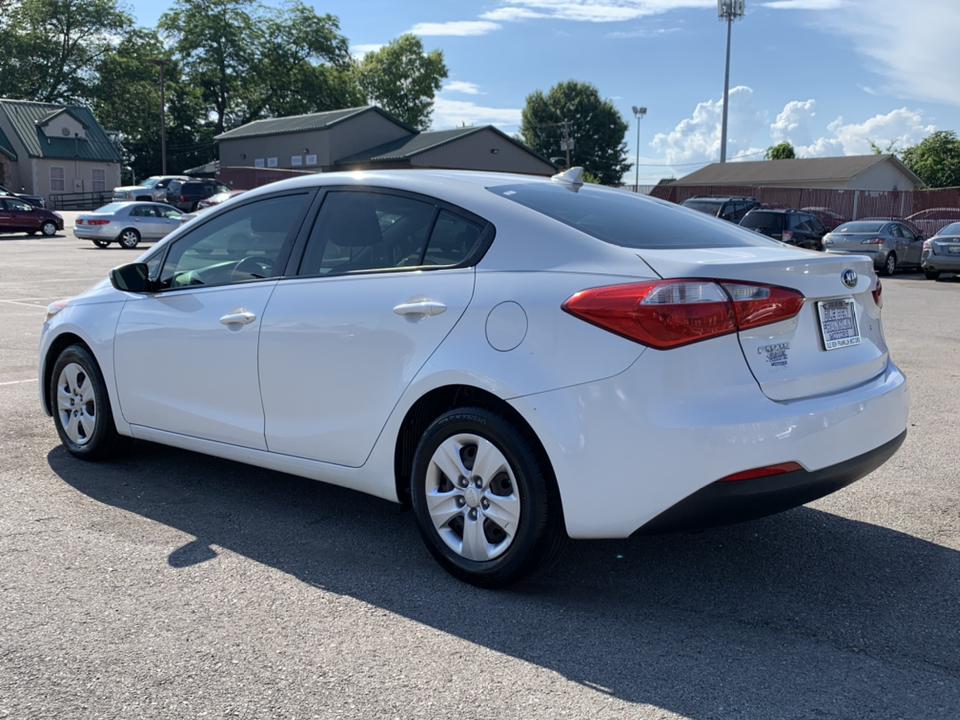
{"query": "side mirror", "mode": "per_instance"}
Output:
(133, 277)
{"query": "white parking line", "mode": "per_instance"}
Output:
(17, 382)
(24, 304)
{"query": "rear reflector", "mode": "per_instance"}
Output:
(762, 472)
(877, 293)
(666, 314)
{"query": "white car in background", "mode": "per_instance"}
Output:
(153, 189)
(522, 359)
(127, 223)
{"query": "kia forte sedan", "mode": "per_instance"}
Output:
(520, 359)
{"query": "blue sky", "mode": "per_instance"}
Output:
(827, 75)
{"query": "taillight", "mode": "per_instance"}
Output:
(872, 241)
(97, 222)
(79, 221)
(666, 314)
(877, 293)
(762, 472)
(786, 235)
(928, 245)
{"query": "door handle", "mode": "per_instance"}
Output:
(420, 308)
(238, 317)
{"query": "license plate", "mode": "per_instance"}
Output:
(955, 249)
(838, 323)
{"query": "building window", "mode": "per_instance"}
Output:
(296, 160)
(271, 162)
(56, 179)
(258, 163)
(311, 159)
(99, 179)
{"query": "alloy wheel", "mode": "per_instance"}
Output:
(891, 264)
(49, 229)
(77, 403)
(472, 497)
(129, 238)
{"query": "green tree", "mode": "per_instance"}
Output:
(936, 160)
(49, 49)
(780, 151)
(594, 125)
(403, 79)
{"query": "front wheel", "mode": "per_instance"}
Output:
(931, 274)
(81, 408)
(129, 238)
(101, 243)
(486, 505)
(889, 265)
(49, 229)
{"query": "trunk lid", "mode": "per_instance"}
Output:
(851, 241)
(788, 358)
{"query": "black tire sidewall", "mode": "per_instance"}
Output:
(101, 243)
(537, 521)
(104, 434)
(886, 265)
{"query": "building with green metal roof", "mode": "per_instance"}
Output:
(50, 150)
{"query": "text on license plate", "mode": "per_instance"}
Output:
(838, 323)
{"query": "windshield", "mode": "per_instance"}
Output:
(860, 227)
(625, 218)
(150, 182)
(711, 207)
(759, 220)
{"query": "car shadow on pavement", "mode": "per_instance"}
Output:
(804, 614)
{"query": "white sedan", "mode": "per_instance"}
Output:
(521, 359)
(127, 223)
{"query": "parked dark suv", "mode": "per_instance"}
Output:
(725, 208)
(185, 194)
(795, 227)
(34, 200)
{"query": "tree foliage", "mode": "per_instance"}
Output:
(780, 151)
(403, 79)
(936, 160)
(594, 124)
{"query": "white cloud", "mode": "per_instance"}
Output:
(449, 113)
(358, 51)
(590, 10)
(643, 32)
(511, 14)
(898, 128)
(458, 28)
(697, 138)
(793, 123)
(910, 46)
(462, 86)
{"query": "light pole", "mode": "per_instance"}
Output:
(162, 63)
(728, 10)
(638, 113)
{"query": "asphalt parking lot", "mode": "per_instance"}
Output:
(171, 585)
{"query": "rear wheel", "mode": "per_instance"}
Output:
(101, 243)
(485, 504)
(889, 265)
(81, 408)
(49, 228)
(931, 274)
(129, 238)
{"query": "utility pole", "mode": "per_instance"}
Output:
(566, 142)
(638, 113)
(728, 10)
(162, 63)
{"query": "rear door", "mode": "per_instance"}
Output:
(384, 278)
(913, 245)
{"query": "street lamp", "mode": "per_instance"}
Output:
(162, 63)
(728, 10)
(638, 113)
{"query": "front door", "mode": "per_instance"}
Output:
(384, 279)
(6, 217)
(186, 355)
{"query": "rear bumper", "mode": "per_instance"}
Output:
(941, 263)
(95, 232)
(722, 503)
(879, 257)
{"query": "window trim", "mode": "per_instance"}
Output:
(283, 261)
(487, 234)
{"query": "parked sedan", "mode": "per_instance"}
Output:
(18, 215)
(941, 253)
(127, 223)
(891, 245)
(405, 334)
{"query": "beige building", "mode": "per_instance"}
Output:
(50, 150)
(851, 172)
(368, 137)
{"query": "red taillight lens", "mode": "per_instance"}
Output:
(928, 245)
(762, 472)
(98, 222)
(877, 293)
(79, 221)
(786, 235)
(872, 241)
(666, 314)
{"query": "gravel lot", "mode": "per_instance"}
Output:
(170, 585)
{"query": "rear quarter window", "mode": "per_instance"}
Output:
(760, 220)
(627, 219)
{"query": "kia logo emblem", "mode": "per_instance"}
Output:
(849, 278)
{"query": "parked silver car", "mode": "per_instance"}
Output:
(941, 253)
(891, 244)
(127, 223)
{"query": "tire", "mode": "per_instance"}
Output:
(889, 265)
(517, 486)
(931, 274)
(31, 233)
(101, 243)
(49, 228)
(129, 238)
(78, 392)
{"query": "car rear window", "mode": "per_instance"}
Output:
(860, 227)
(110, 208)
(711, 207)
(626, 219)
(761, 220)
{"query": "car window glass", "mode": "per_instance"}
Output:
(19, 206)
(169, 212)
(896, 231)
(454, 239)
(762, 220)
(243, 243)
(362, 231)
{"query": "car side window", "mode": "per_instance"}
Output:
(896, 231)
(453, 241)
(18, 205)
(366, 231)
(171, 213)
(248, 242)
